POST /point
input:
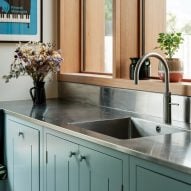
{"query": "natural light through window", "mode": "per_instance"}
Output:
(179, 19)
(108, 36)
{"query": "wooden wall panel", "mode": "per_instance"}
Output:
(94, 36)
(70, 35)
(155, 22)
(129, 34)
(116, 39)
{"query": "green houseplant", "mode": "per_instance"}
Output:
(169, 43)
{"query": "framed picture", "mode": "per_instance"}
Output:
(20, 20)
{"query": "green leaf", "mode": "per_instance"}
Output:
(170, 42)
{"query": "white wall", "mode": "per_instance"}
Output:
(18, 89)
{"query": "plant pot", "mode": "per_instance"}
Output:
(175, 70)
(38, 93)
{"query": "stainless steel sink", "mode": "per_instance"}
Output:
(128, 128)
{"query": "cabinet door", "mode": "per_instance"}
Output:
(149, 181)
(2, 185)
(146, 176)
(99, 171)
(22, 153)
(61, 164)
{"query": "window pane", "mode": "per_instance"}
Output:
(108, 36)
(179, 19)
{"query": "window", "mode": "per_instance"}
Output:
(168, 15)
(108, 39)
(178, 18)
(99, 36)
(135, 28)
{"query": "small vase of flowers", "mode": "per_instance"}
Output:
(36, 59)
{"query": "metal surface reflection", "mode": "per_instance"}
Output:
(172, 150)
(147, 103)
(38, 112)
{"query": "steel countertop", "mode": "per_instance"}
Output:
(171, 150)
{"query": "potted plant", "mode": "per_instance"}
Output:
(169, 43)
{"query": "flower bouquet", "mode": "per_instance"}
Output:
(36, 59)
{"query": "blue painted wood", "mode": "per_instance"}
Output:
(22, 156)
(61, 165)
(100, 172)
(146, 176)
(97, 171)
(100, 150)
(2, 137)
(2, 185)
(101, 168)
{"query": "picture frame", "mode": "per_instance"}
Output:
(20, 20)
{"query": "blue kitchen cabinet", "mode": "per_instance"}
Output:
(61, 164)
(99, 171)
(2, 185)
(147, 176)
(71, 166)
(2, 182)
(22, 146)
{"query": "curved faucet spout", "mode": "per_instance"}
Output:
(167, 94)
(164, 63)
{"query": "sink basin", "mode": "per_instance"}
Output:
(128, 128)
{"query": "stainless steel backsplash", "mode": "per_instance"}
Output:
(147, 103)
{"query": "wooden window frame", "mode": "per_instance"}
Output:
(128, 38)
(125, 35)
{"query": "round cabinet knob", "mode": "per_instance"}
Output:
(21, 134)
(72, 154)
(82, 158)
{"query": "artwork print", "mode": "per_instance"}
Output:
(20, 20)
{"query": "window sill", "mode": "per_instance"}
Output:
(181, 88)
